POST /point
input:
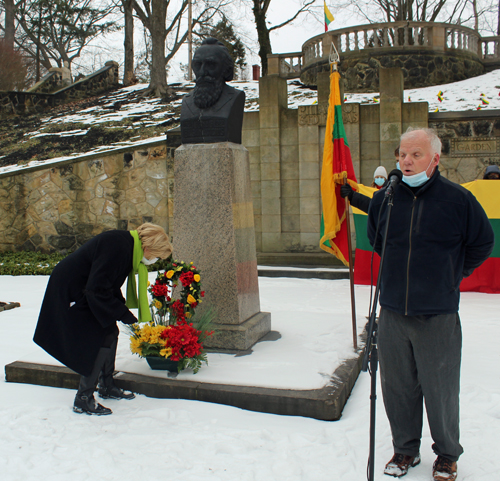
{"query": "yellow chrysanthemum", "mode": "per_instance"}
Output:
(197, 277)
(158, 304)
(191, 299)
(170, 274)
(135, 345)
(188, 315)
(166, 352)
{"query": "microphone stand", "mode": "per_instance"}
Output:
(371, 352)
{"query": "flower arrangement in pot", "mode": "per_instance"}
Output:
(174, 337)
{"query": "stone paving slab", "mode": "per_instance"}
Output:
(325, 404)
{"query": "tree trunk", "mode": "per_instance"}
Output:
(128, 42)
(498, 22)
(476, 19)
(262, 35)
(10, 28)
(158, 81)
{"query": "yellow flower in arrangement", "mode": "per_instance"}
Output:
(135, 345)
(170, 274)
(166, 352)
(158, 304)
(188, 315)
(191, 299)
(149, 283)
(197, 277)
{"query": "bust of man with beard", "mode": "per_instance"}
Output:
(213, 111)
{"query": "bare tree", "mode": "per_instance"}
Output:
(9, 28)
(14, 68)
(128, 41)
(58, 31)
(163, 20)
(260, 10)
(498, 18)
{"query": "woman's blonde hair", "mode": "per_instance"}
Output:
(155, 239)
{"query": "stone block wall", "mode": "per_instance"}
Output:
(420, 69)
(59, 207)
(471, 142)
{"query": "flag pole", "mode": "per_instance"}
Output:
(351, 271)
(334, 60)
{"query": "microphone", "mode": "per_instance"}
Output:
(395, 178)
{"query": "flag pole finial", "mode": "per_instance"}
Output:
(334, 57)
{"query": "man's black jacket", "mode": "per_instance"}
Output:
(436, 236)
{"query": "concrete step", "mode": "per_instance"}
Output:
(304, 272)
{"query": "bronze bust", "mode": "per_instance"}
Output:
(213, 111)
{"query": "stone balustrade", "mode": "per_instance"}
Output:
(430, 44)
(428, 52)
(287, 65)
(490, 49)
(405, 35)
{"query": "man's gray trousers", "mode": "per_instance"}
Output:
(420, 361)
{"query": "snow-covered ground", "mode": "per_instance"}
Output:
(165, 439)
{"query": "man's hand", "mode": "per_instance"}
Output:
(346, 191)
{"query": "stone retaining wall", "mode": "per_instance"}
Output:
(59, 207)
(35, 101)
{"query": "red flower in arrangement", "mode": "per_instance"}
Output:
(202, 293)
(160, 290)
(178, 310)
(183, 339)
(186, 278)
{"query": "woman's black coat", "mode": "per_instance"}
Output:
(90, 278)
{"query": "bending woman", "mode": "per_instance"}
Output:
(83, 302)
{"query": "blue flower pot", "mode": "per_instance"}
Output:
(162, 364)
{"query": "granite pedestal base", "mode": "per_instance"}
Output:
(214, 229)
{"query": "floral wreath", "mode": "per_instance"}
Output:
(162, 293)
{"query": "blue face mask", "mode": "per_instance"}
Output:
(418, 179)
(397, 166)
(379, 181)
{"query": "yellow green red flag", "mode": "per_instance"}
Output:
(328, 16)
(337, 166)
(486, 278)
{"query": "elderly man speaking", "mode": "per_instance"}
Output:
(438, 234)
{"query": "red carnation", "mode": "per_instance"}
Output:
(186, 278)
(160, 290)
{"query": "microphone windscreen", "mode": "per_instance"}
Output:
(397, 173)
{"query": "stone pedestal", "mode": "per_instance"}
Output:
(214, 229)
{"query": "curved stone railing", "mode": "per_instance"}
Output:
(393, 35)
(490, 49)
(383, 37)
(287, 65)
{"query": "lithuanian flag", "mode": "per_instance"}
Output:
(328, 17)
(337, 166)
(486, 278)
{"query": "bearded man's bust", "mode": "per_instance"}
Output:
(213, 111)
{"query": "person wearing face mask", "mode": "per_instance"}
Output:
(492, 173)
(83, 302)
(361, 201)
(379, 177)
(438, 234)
